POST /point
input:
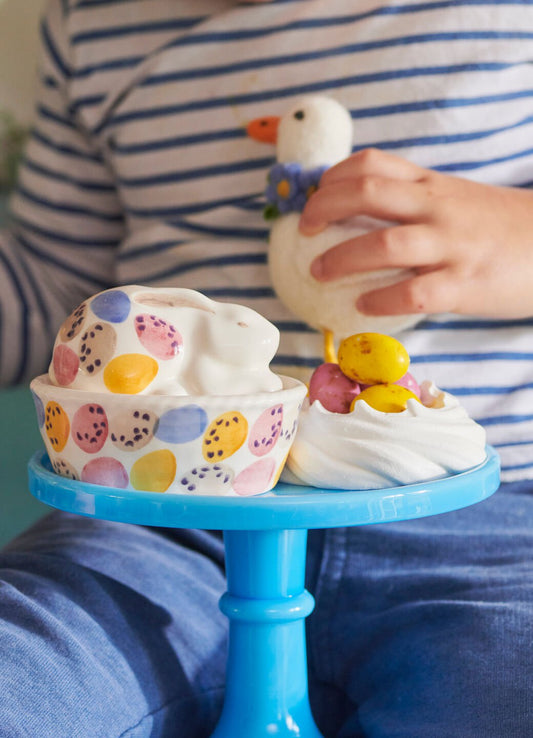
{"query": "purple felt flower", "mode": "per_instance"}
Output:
(289, 187)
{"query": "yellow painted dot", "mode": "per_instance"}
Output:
(154, 472)
(129, 374)
(283, 189)
(373, 358)
(387, 398)
(224, 436)
(57, 426)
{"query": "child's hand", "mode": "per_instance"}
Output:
(470, 245)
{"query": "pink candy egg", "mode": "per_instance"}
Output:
(410, 383)
(332, 388)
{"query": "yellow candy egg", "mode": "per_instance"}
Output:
(373, 358)
(387, 398)
(154, 472)
(129, 374)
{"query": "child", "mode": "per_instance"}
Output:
(139, 171)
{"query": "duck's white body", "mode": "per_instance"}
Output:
(317, 131)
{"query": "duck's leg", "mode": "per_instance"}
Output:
(330, 355)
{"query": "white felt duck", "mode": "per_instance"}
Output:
(314, 134)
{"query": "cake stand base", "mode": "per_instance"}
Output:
(265, 542)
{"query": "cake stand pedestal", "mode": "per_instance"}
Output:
(265, 544)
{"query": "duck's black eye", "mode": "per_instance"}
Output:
(299, 115)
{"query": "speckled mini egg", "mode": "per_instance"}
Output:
(65, 364)
(387, 398)
(154, 472)
(256, 478)
(97, 347)
(64, 469)
(57, 425)
(224, 436)
(105, 471)
(133, 429)
(158, 337)
(74, 323)
(373, 358)
(129, 374)
(211, 479)
(90, 428)
(266, 430)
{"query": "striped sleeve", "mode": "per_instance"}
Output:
(65, 220)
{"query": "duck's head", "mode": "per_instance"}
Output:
(316, 131)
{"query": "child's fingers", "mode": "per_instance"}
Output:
(407, 246)
(375, 162)
(378, 197)
(433, 292)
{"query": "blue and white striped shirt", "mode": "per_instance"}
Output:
(139, 169)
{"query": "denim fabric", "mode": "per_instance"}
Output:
(422, 629)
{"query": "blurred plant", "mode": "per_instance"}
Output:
(13, 136)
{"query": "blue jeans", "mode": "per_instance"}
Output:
(422, 629)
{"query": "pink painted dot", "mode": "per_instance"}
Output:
(256, 478)
(265, 431)
(90, 428)
(65, 363)
(105, 471)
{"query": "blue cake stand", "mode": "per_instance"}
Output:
(265, 541)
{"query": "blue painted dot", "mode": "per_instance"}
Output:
(182, 424)
(113, 305)
(39, 409)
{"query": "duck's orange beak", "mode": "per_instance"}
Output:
(264, 129)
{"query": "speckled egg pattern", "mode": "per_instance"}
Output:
(211, 479)
(266, 430)
(90, 428)
(132, 430)
(97, 347)
(64, 469)
(57, 426)
(158, 337)
(65, 363)
(74, 323)
(224, 436)
(103, 443)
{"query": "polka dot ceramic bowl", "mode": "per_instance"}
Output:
(199, 445)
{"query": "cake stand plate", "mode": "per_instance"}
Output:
(265, 540)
